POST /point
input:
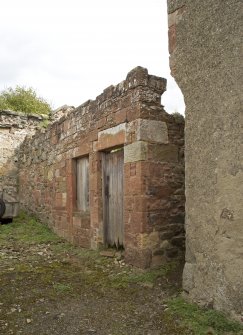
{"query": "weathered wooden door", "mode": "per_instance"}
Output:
(82, 183)
(112, 165)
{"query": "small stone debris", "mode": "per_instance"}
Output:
(108, 253)
(147, 285)
(28, 321)
(210, 331)
(118, 255)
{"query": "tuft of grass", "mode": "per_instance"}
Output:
(44, 123)
(151, 275)
(134, 276)
(62, 288)
(203, 321)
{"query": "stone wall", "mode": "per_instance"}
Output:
(13, 129)
(128, 115)
(60, 112)
(205, 42)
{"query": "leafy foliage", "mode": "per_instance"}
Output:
(24, 100)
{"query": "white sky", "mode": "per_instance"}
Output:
(70, 51)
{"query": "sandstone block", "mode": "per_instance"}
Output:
(111, 137)
(136, 151)
(108, 253)
(164, 244)
(172, 252)
(188, 277)
(147, 130)
(139, 258)
(152, 131)
(163, 153)
(178, 241)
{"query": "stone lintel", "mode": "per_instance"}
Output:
(112, 137)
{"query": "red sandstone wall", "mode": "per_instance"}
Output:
(128, 115)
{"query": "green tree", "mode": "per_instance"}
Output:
(24, 100)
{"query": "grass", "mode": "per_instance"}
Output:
(44, 123)
(135, 276)
(202, 321)
(27, 230)
(62, 288)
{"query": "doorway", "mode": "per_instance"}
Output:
(112, 170)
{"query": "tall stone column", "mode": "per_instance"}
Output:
(205, 40)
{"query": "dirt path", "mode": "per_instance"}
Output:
(48, 287)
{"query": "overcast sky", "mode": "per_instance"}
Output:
(70, 51)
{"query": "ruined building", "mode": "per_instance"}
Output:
(111, 173)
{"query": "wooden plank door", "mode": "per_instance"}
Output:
(82, 183)
(113, 165)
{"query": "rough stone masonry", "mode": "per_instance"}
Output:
(127, 116)
(205, 40)
(13, 129)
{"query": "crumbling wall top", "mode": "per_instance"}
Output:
(136, 77)
(18, 120)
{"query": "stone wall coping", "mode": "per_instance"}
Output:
(6, 125)
(23, 115)
(136, 77)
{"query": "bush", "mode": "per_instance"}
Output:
(24, 100)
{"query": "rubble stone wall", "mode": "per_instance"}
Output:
(14, 127)
(205, 41)
(128, 115)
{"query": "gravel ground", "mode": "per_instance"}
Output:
(48, 287)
